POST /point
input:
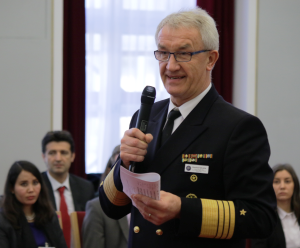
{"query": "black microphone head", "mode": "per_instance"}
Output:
(148, 95)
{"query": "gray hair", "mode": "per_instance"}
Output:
(197, 18)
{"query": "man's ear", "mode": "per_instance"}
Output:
(43, 156)
(212, 59)
(73, 157)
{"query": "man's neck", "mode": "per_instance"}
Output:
(59, 177)
(285, 205)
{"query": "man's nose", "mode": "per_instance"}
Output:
(58, 156)
(172, 64)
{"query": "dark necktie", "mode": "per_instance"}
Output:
(166, 133)
(66, 223)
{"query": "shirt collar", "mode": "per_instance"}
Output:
(187, 107)
(282, 214)
(56, 185)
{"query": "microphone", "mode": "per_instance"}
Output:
(147, 100)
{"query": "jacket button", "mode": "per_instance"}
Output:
(159, 232)
(136, 229)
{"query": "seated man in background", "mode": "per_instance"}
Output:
(67, 192)
(98, 230)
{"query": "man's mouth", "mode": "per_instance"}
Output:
(176, 77)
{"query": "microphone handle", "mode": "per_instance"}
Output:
(143, 117)
(142, 124)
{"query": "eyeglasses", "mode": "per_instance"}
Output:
(179, 56)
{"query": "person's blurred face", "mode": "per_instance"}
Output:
(58, 157)
(283, 185)
(184, 80)
(27, 188)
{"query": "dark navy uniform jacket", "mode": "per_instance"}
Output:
(235, 200)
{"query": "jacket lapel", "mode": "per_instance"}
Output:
(50, 232)
(188, 131)
(75, 193)
(49, 189)
(155, 127)
(25, 235)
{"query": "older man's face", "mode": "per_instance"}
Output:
(184, 80)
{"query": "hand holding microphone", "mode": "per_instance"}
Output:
(147, 100)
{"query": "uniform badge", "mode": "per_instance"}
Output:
(243, 212)
(196, 168)
(194, 157)
(194, 178)
(191, 196)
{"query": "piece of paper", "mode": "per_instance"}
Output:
(147, 184)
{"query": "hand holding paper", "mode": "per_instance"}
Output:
(147, 184)
(158, 211)
(156, 206)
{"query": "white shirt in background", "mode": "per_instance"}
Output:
(291, 228)
(67, 193)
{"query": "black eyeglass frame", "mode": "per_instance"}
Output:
(191, 53)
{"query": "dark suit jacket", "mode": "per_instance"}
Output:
(276, 240)
(239, 177)
(82, 191)
(100, 231)
(23, 237)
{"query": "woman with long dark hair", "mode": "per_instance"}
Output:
(287, 231)
(27, 218)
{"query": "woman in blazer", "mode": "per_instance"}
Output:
(27, 219)
(287, 231)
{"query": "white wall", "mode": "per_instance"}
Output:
(278, 84)
(266, 75)
(26, 81)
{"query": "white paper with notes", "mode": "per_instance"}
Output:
(147, 184)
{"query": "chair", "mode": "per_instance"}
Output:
(248, 243)
(76, 224)
(58, 213)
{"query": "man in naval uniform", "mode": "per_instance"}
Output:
(216, 184)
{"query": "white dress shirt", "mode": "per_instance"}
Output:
(67, 192)
(186, 108)
(291, 228)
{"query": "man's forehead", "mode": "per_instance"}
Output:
(181, 37)
(58, 146)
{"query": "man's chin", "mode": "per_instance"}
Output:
(59, 171)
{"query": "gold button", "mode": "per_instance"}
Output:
(159, 232)
(191, 196)
(136, 229)
(194, 178)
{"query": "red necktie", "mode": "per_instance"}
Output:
(65, 216)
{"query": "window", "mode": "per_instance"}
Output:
(119, 64)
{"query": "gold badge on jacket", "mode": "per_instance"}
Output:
(194, 157)
(191, 196)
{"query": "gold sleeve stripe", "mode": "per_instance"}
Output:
(209, 218)
(232, 220)
(115, 196)
(221, 219)
(226, 220)
(218, 219)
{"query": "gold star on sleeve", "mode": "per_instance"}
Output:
(243, 212)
